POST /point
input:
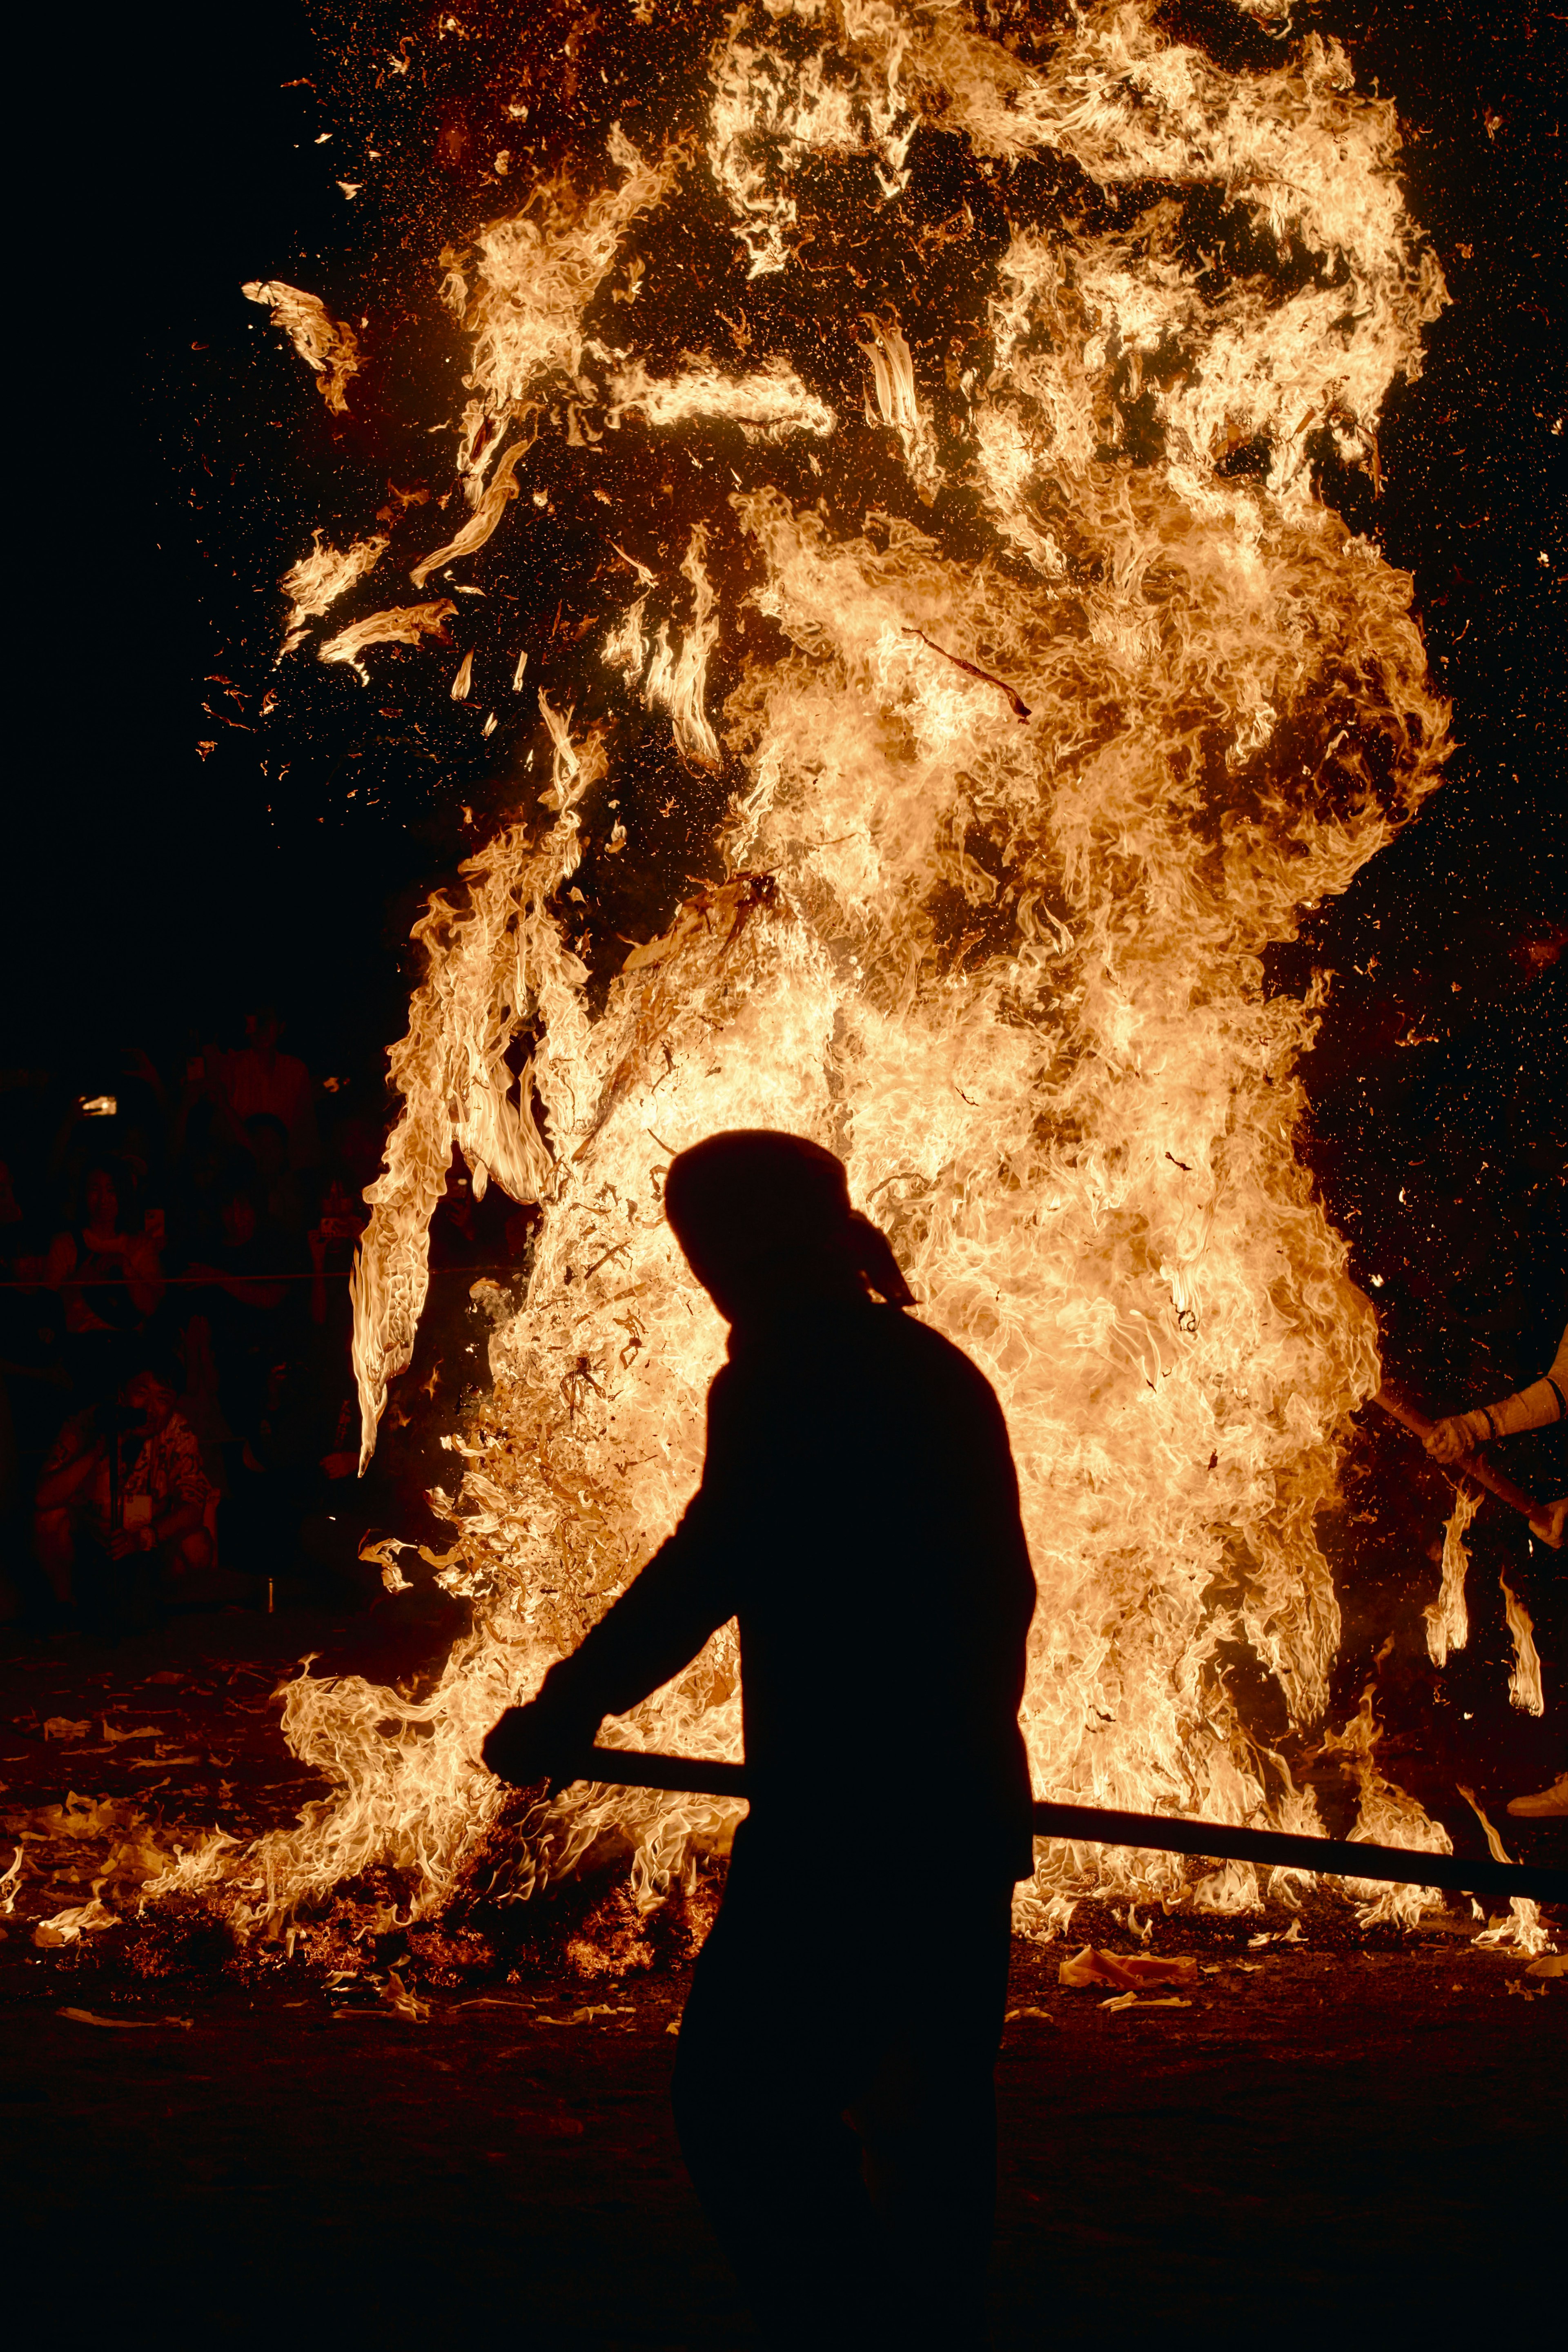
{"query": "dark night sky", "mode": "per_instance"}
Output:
(152, 887)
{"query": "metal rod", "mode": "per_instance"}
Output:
(632, 1768)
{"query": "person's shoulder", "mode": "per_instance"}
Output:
(941, 1362)
(180, 1440)
(920, 1338)
(72, 1436)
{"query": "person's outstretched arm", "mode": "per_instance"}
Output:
(658, 1624)
(1544, 1401)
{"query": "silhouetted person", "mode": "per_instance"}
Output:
(859, 1515)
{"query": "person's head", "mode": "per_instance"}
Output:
(105, 1195)
(263, 1028)
(269, 1141)
(151, 1392)
(236, 1207)
(354, 1151)
(763, 1216)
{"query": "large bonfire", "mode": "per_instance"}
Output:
(943, 412)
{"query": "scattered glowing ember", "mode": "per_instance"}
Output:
(1044, 694)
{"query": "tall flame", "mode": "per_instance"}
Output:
(1029, 764)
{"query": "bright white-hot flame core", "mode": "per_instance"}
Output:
(1012, 826)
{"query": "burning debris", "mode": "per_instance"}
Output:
(953, 411)
(325, 344)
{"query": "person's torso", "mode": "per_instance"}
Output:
(884, 1586)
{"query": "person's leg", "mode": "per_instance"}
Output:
(929, 2119)
(188, 1554)
(54, 1546)
(773, 2044)
(96, 1580)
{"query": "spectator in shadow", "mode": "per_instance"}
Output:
(859, 1515)
(299, 1505)
(243, 1298)
(34, 1387)
(258, 1078)
(123, 1509)
(279, 1195)
(106, 1265)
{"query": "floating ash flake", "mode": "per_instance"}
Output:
(326, 345)
(1011, 971)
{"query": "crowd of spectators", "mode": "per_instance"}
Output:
(178, 1406)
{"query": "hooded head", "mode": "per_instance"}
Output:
(761, 1216)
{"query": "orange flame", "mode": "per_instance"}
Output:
(1000, 949)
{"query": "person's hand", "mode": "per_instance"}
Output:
(1552, 1522)
(125, 1541)
(340, 1465)
(537, 1742)
(1451, 1439)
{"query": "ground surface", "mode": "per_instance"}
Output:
(1318, 2144)
(1328, 2139)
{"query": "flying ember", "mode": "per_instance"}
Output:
(888, 452)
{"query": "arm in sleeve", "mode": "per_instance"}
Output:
(1544, 1401)
(685, 1592)
(1535, 1407)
